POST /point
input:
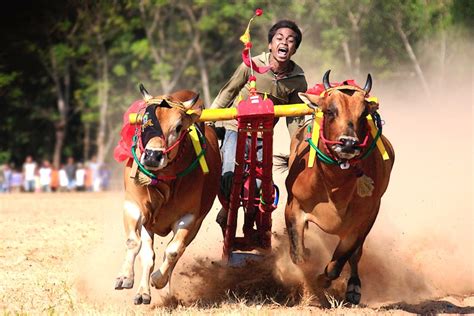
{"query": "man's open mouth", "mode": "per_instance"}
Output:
(282, 52)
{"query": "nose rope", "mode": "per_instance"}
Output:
(181, 137)
(336, 142)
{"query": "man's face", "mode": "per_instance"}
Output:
(283, 44)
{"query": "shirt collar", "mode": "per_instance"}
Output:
(264, 59)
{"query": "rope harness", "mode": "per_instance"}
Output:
(156, 178)
(330, 159)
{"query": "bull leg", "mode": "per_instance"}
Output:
(353, 293)
(132, 223)
(184, 231)
(295, 225)
(147, 256)
(343, 252)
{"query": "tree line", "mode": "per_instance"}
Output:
(69, 69)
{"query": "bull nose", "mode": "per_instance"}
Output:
(349, 144)
(153, 157)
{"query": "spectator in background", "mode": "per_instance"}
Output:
(63, 179)
(6, 172)
(29, 172)
(80, 177)
(70, 169)
(94, 166)
(104, 174)
(54, 178)
(2, 178)
(89, 179)
(45, 176)
(16, 181)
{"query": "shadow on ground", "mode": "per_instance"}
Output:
(431, 307)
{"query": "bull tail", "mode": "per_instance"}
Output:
(281, 162)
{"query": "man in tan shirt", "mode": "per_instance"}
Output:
(281, 84)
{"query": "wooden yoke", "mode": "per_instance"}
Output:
(298, 109)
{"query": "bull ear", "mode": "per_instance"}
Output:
(189, 103)
(312, 100)
(193, 108)
(372, 105)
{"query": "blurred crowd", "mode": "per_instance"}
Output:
(69, 177)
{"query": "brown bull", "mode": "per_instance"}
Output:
(328, 193)
(177, 200)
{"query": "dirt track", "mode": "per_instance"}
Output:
(60, 252)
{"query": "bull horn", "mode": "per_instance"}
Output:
(326, 83)
(189, 103)
(144, 93)
(368, 84)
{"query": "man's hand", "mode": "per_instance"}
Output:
(226, 184)
(220, 131)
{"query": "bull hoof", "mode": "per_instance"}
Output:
(353, 294)
(138, 299)
(146, 298)
(123, 283)
(158, 280)
(353, 297)
(142, 299)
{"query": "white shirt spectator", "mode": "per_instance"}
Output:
(45, 176)
(30, 168)
(63, 180)
(80, 176)
(94, 169)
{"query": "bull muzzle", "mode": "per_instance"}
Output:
(153, 158)
(348, 147)
(348, 144)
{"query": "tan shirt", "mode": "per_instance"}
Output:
(280, 91)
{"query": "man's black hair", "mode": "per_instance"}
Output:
(286, 24)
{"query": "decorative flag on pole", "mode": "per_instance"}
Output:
(246, 56)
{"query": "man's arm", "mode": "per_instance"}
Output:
(232, 88)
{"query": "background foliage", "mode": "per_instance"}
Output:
(68, 69)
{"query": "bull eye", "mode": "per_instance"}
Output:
(330, 113)
(179, 128)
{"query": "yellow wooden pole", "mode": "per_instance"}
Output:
(298, 109)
